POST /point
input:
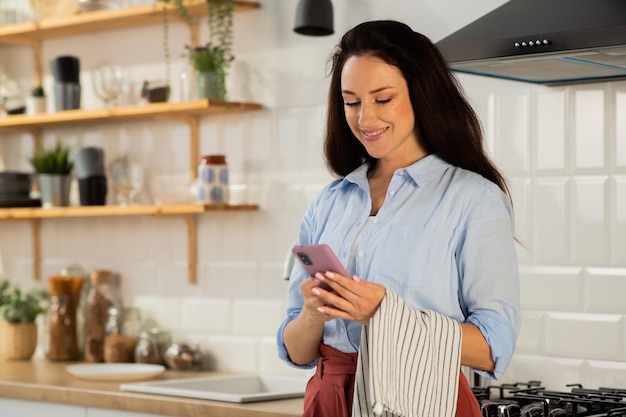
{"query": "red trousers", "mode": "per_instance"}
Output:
(329, 392)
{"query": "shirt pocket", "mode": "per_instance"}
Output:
(414, 257)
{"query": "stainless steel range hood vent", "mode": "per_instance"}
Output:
(548, 42)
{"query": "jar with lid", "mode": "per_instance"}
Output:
(152, 346)
(118, 347)
(62, 334)
(104, 293)
(213, 180)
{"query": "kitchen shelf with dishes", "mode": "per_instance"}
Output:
(187, 111)
(32, 33)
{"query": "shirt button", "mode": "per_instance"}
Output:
(361, 253)
(401, 172)
(375, 221)
(392, 193)
(342, 329)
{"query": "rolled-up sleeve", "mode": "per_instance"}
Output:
(490, 278)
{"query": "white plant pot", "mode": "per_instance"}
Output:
(35, 105)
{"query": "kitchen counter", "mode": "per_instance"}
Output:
(40, 380)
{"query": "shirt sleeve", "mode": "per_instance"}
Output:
(294, 296)
(490, 278)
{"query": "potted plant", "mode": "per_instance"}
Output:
(211, 61)
(53, 166)
(36, 102)
(18, 312)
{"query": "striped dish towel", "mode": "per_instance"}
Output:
(408, 364)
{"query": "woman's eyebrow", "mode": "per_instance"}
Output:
(378, 90)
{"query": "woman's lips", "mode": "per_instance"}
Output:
(372, 135)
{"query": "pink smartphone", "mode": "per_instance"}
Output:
(319, 258)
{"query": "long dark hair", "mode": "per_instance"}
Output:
(445, 123)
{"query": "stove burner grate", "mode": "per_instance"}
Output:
(530, 399)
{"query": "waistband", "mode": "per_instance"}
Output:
(335, 362)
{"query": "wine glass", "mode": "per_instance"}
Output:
(127, 179)
(109, 83)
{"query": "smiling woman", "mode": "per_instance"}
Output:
(423, 222)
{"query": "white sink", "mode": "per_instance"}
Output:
(230, 388)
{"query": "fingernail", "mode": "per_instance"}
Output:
(357, 279)
(316, 291)
(319, 276)
(321, 310)
(330, 274)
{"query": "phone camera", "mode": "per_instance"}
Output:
(305, 258)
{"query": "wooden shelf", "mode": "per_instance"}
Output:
(106, 211)
(187, 212)
(124, 113)
(97, 21)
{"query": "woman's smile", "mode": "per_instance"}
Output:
(373, 135)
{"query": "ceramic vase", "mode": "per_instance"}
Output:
(17, 340)
(36, 105)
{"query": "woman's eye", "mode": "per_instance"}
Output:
(383, 101)
(351, 103)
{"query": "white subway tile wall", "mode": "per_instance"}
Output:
(562, 148)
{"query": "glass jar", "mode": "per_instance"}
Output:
(103, 294)
(152, 346)
(62, 335)
(118, 347)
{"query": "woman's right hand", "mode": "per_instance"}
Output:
(313, 301)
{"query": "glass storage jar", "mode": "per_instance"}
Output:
(104, 293)
(118, 347)
(152, 346)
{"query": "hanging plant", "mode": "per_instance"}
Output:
(216, 55)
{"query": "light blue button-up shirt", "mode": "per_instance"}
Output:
(442, 240)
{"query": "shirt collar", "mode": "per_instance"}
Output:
(422, 172)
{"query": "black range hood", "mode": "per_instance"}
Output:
(548, 42)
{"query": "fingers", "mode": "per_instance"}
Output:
(350, 298)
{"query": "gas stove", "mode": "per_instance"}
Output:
(530, 399)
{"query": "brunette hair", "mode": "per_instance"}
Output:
(445, 123)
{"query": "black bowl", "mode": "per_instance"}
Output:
(15, 184)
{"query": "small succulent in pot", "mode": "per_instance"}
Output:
(38, 91)
(55, 160)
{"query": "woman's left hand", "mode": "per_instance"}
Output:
(352, 298)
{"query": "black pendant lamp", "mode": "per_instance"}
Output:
(314, 18)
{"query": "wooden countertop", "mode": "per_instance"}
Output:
(40, 380)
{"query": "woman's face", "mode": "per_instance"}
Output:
(378, 109)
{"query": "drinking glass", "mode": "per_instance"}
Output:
(127, 179)
(109, 83)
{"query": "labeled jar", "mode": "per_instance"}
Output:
(213, 180)
(152, 345)
(104, 293)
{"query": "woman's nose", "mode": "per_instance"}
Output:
(366, 114)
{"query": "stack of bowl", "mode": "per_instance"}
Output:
(15, 189)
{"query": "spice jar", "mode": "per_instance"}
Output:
(118, 347)
(213, 180)
(103, 294)
(62, 341)
(152, 345)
